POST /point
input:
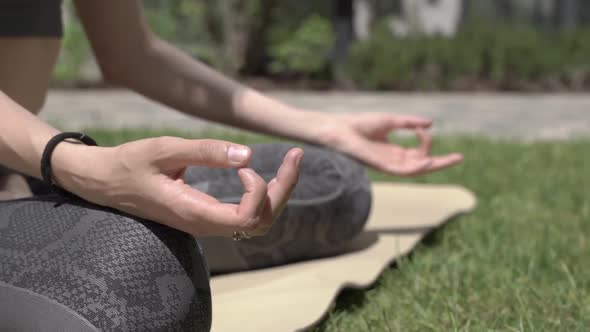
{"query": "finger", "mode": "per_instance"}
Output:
(409, 122)
(279, 190)
(442, 162)
(185, 208)
(176, 204)
(281, 187)
(438, 163)
(253, 200)
(409, 167)
(204, 152)
(425, 141)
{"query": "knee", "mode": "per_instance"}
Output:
(352, 204)
(117, 272)
(339, 185)
(159, 274)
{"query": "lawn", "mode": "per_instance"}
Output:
(519, 262)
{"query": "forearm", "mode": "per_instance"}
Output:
(135, 58)
(163, 73)
(22, 137)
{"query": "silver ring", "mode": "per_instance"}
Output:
(237, 236)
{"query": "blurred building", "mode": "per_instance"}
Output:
(445, 17)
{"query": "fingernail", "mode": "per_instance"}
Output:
(298, 159)
(237, 154)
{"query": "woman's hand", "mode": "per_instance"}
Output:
(364, 136)
(145, 178)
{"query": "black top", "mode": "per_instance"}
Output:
(30, 18)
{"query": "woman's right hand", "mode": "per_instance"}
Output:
(145, 178)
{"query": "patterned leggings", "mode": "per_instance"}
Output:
(79, 267)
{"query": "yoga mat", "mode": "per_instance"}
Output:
(297, 296)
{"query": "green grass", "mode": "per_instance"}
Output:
(519, 262)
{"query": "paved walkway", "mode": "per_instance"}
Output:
(514, 116)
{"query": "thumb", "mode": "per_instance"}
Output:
(205, 152)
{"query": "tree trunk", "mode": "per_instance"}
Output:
(506, 10)
(343, 24)
(343, 28)
(235, 33)
(256, 53)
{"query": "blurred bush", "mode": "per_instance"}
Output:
(294, 39)
(185, 23)
(182, 22)
(75, 51)
(305, 51)
(505, 58)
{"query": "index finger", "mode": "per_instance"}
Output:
(281, 187)
(226, 218)
(409, 122)
(442, 162)
(425, 141)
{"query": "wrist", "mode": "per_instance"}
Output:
(316, 127)
(332, 130)
(80, 168)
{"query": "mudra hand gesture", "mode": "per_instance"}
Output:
(364, 136)
(145, 178)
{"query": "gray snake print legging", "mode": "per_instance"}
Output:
(79, 267)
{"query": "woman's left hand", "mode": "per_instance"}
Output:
(364, 136)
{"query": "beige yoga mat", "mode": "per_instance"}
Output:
(297, 296)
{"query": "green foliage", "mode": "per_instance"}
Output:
(178, 20)
(289, 15)
(75, 51)
(487, 56)
(184, 24)
(519, 58)
(306, 50)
